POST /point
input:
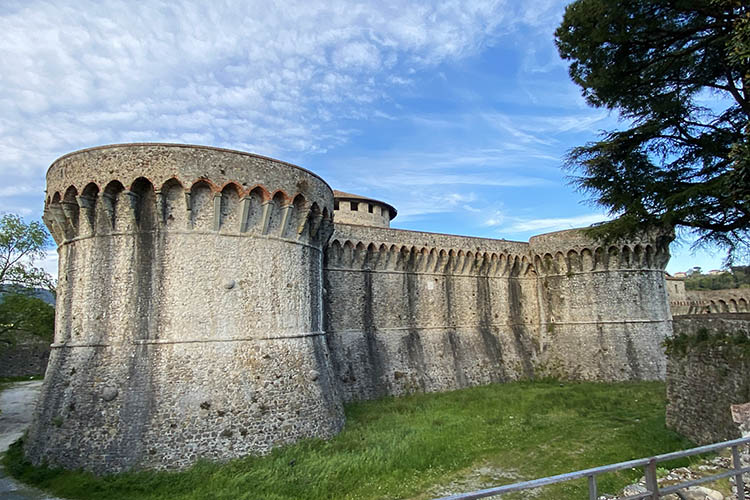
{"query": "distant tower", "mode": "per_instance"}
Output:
(361, 211)
(189, 308)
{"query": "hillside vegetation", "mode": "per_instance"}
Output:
(739, 277)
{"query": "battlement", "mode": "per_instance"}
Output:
(408, 258)
(731, 300)
(571, 251)
(222, 193)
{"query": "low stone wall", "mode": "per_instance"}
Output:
(705, 378)
(25, 358)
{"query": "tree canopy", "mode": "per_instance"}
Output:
(21, 245)
(739, 277)
(678, 71)
(20, 312)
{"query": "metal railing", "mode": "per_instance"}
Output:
(649, 465)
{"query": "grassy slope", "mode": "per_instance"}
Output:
(401, 447)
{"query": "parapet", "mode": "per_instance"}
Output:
(195, 187)
(571, 251)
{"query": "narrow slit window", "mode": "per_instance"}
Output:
(355, 206)
(335, 204)
(369, 207)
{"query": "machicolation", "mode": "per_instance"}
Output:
(213, 304)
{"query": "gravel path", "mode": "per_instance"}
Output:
(17, 403)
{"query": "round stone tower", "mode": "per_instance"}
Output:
(604, 308)
(361, 211)
(189, 308)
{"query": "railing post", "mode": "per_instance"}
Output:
(592, 487)
(651, 484)
(738, 480)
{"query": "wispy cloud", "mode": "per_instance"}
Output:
(518, 225)
(237, 69)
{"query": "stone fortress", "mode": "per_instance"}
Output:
(213, 304)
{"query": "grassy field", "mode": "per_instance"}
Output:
(421, 446)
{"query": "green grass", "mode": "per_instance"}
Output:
(404, 447)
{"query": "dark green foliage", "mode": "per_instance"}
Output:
(678, 72)
(21, 245)
(403, 447)
(735, 344)
(20, 312)
(739, 277)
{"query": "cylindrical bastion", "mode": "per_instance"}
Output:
(189, 308)
(604, 310)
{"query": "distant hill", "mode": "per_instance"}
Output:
(39, 293)
(738, 277)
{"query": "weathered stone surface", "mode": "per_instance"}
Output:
(685, 302)
(697, 493)
(157, 361)
(27, 357)
(362, 211)
(703, 383)
(409, 311)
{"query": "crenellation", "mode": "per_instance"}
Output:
(411, 258)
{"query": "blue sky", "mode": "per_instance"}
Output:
(458, 113)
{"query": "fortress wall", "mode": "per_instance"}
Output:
(409, 311)
(707, 377)
(189, 316)
(198, 316)
(604, 309)
(732, 300)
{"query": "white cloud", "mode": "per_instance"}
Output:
(547, 224)
(281, 79)
(276, 76)
(427, 178)
(496, 219)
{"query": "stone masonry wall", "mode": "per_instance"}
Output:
(189, 311)
(703, 383)
(368, 213)
(409, 311)
(731, 300)
(26, 357)
(198, 316)
(604, 309)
